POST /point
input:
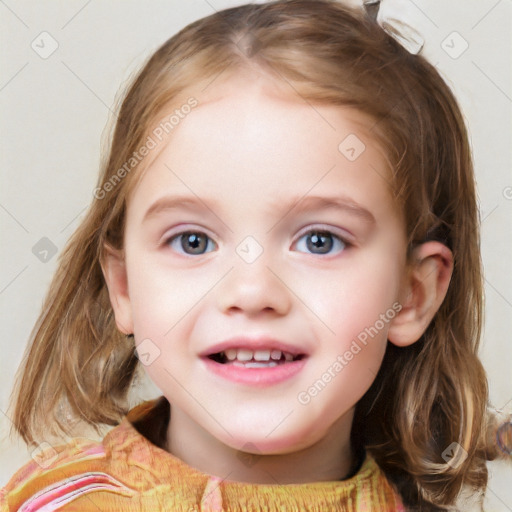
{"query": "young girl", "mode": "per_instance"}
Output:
(285, 235)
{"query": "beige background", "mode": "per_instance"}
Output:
(54, 110)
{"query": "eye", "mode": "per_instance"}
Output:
(193, 243)
(318, 241)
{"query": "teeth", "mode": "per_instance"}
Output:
(255, 364)
(244, 355)
(231, 353)
(261, 355)
(276, 354)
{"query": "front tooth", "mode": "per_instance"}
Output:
(230, 354)
(276, 354)
(261, 355)
(244, 354)
(288, 357)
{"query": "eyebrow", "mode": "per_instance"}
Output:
(167, 203)
(297, 204)
(345, 204)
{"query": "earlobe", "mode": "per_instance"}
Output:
(423, 291)
(114, 271)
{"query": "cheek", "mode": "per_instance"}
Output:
(355, 307)
(352, 300)
(161, 296)
(356, 311)
(164, 305)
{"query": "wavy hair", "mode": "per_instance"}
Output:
(426, 396)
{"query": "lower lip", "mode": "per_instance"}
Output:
(256, 376)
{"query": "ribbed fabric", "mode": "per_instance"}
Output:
(127, 472)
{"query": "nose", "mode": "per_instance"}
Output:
(254, 288)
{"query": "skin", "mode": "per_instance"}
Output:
(249, 151)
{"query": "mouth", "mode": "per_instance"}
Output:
(260, 358)
(254, 362)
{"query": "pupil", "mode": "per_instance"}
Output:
(195, 242)
(320, 240)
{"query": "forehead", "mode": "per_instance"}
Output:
(252, 130)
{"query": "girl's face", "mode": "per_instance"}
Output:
(293, 258)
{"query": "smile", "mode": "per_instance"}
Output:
(257, 365)
(248, 358)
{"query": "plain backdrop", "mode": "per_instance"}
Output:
(62, 65)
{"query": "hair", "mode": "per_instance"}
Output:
(425, 396)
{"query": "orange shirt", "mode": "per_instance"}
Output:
(128, 472)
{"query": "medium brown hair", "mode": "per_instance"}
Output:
(426, 396)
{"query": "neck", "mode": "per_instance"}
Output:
(329, 459)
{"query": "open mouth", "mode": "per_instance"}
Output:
(261, 358)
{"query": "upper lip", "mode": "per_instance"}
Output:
(253, 343)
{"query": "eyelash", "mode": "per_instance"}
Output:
(317, 230)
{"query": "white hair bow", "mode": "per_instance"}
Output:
(390, 15)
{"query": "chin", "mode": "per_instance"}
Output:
(277, 443)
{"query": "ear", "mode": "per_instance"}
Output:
(423, 291)
(114, 271)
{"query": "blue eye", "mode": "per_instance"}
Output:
(321, 242)
(191, 242)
